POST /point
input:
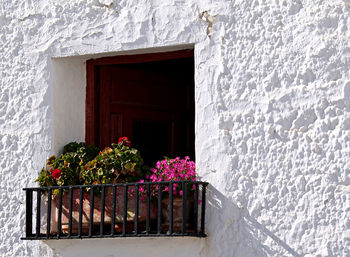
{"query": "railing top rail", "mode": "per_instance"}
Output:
(119, 184)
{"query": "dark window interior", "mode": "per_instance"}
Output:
(152, 103)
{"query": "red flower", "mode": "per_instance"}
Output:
(56, 173)
(125, 141)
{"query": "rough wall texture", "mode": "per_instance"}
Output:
(272, 116)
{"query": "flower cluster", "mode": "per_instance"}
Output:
(56, 173)
(124, 141)
(173, 170)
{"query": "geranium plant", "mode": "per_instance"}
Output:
(119, 164)
(65, 170)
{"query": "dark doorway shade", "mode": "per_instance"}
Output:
(149, 99)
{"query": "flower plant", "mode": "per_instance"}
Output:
(119, 164)
(65, 169)
(176, 169)
(80, 164)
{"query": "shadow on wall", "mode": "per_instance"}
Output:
(234, 233)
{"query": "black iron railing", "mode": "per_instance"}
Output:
(116, 210)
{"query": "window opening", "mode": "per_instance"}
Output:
(148, 98)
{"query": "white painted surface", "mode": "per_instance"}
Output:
(272, 116)
(155, 247)
(68, 101)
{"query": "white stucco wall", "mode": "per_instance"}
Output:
(272, 116)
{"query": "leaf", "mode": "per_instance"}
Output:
(130, 166)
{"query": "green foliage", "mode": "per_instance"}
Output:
(118, 164)
(75, 155)
(83, 165)
(45, 179)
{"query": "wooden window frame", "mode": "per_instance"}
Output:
(92, 87)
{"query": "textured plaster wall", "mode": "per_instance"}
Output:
(272, 116)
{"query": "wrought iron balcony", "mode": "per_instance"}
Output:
(151, 209)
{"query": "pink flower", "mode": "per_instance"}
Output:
(176, 169)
